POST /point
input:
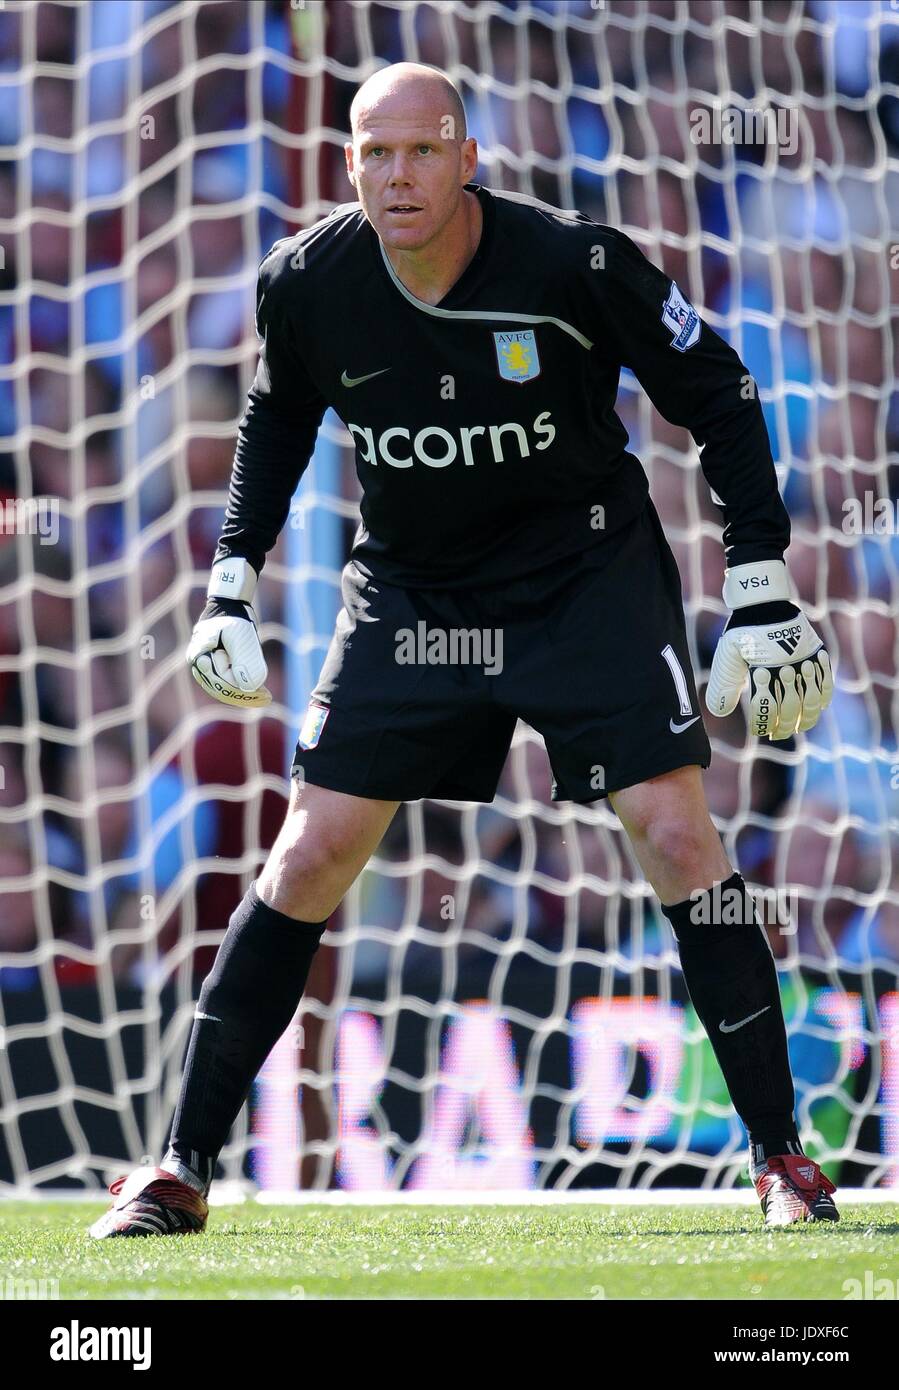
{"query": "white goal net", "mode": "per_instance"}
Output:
(498, 1003)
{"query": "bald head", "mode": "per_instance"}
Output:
(410, 158)
(410, 91)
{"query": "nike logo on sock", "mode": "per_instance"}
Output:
(732, 1027)
(212, 1018)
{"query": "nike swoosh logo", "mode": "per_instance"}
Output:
(679, 728)
(732, 1027)
(357, 380)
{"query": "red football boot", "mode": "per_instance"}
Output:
(152, 1202)
(791, 1187)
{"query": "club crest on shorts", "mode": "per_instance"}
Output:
(682, 319)
(517, 355)
(314, 722)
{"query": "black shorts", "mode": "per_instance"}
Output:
(420, 690)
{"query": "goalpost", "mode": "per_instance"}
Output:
(498, 1004)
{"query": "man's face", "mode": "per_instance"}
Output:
(408, 177)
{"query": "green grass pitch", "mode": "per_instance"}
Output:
(250, 1251)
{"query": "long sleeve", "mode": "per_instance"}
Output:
(276, 434)
(695, 379)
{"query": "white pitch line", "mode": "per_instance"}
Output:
(229, 1194)
(582, 1197)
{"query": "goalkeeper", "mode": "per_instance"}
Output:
(472, 342)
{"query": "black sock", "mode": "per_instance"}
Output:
(246, 1003)
(730, 974)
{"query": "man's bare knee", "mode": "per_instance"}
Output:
(325, 841)
(304, 865)
(669, 826)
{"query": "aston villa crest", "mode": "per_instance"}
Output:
(517, 355)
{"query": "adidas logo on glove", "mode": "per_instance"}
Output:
(788, 637)
(786, 696)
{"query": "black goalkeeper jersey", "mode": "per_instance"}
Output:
(487, 443)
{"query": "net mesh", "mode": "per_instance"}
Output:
(498, 1003)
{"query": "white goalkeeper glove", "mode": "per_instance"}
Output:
(771, 640)
(225, 654)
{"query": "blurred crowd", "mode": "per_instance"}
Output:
(149, 162)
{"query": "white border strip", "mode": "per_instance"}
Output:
(227, 1194)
